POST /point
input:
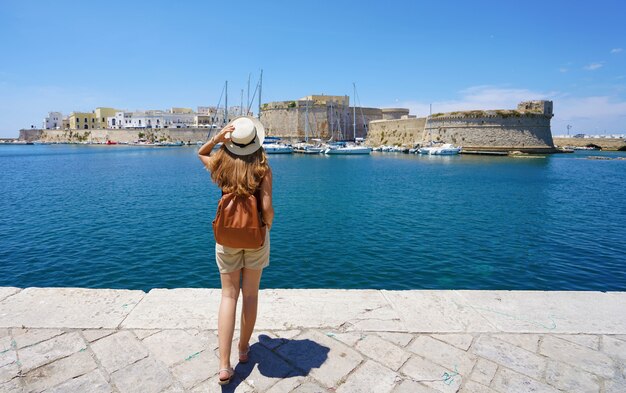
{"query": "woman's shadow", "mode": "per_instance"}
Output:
(279, 358)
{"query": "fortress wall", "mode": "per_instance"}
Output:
(102, 135)
(288, 120)
(396, 132)
(525, 132)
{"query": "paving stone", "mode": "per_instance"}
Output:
(615, 385)
(197, 369)
(576, 355)
(462, 341)
(483, 371)
(444, 354)
(50, 350)
(382, 351)
(475, 387)
(178, 308)
(432, 375)
(287, 385)
(143, 333)
(619, 336)
(67, 307)
(400, 339)
(211, 386)
(509, 381)
(144, 376)
(9, 372)
(410, 386)
(173, 346)
(8, 354)
(325, 359)
(13, 386)
(174, 388)
(59, 371)
(510, 356)
(370, 377)
(27, 337)
(529, 342)
(4, 332)
(281, 309)
(571, 380)
(118, 350)
(437, 311)
(5, 292)
(264, 368)
(310, 387)
(588, 340)
(614, 348)
(287, 333)
(348, 338)
(92, 335)
(92, 382)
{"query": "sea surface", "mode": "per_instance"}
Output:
(140, 218)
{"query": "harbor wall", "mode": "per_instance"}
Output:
(604, 143)
(125, 135)
(396, 132)
(525, 132)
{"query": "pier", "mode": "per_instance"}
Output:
(314, 340)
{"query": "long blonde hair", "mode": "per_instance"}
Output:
(238, 174)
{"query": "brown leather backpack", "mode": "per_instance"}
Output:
(238, 222)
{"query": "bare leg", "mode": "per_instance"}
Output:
(250, 290)
(226, 316)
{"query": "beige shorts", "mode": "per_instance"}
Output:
(231, 259)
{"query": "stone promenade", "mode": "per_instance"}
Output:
(105, 340)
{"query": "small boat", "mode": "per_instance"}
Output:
(307, 148)
(342, 148)
(446, 149)
(273, 145)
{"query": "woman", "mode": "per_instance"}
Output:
(240, 167)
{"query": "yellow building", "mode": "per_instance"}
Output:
(91, 120)
(82, 121)
(102, 114)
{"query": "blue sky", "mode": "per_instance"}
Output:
(75, 56)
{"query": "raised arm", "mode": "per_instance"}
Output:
(205, 150)
(266, 199)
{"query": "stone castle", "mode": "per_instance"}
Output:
(323, 116)
(526, 129)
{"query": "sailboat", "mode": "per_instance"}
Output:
(344, 148)
(305, 147)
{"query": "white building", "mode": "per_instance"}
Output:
(150, 119)
(54, 121)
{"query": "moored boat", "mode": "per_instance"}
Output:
(446, 149)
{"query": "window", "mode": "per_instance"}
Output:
(85, 120)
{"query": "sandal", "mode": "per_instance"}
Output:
(230, 372)
(243, 355)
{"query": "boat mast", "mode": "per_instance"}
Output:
(241, 105)
(260, 87)
(226, 105)
(354, 112)
(248, 96)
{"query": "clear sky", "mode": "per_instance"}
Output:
(74, 56)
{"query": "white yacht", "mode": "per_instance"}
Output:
(347, 149)
(273, 145)
(446, 149)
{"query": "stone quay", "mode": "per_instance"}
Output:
(315, 340)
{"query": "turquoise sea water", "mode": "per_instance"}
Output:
(140, 218)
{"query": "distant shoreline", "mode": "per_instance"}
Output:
(610, 144)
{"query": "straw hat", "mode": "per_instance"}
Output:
(247, 137)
